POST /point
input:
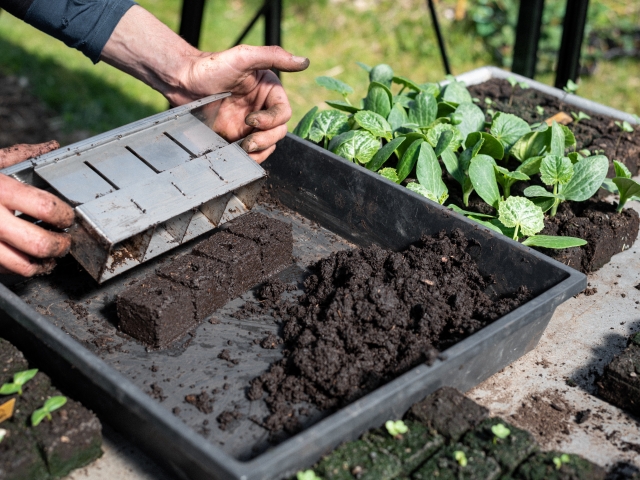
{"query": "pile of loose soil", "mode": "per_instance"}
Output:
(597, 222)
(598, 133)
(369, 315)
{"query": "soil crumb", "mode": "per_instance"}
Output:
(201, 401)
(226, 418)
(369, 315)
(546, 415)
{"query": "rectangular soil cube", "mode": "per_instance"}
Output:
(242, 257)
(444, 466)
(449, 412)
(508, 452)
(20, 458)
(620, 381)
(72, 439)
(207, 279)
(11, 361)
(156, 311)
(412, 448)
(274, 238)
(542, 467)
(358, 460)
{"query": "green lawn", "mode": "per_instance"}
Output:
(333, 34)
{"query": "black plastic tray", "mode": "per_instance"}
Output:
(340, 199)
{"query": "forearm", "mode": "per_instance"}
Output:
(147, 49)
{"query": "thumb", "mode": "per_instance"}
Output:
(246, 57)
(19, 153)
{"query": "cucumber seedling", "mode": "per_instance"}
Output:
(19, 379)
(307, 475)
(460, 457)
(500, 432)
(396, 428)
(50, 405)
(623, 127)
(570, 87)
(515, 83)
(577, 117)
(562, 459)
(623, 185)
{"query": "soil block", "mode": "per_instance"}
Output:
(156, 311)
(449, 412)
(72, 439)
(11, 361)
(541, 467)
(597, 133)
(358, 460)
(411, 449)
(34, 393)
(597, 222)
(20, 457)
(444, 466)
(620, 381)
(508, 452)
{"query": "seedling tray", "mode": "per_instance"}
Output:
(332, 204)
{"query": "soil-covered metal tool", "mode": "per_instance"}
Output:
(147, 187)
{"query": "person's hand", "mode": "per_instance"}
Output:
(258, 108)
(26, 249)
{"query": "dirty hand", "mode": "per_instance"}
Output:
(259, 109)
(25, 248)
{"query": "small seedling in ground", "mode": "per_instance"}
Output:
(460, 457)
(3, 433)
(513, 82)
(307, 475)
(580, 116)
(624, 127)
(52, 404)
(623, 185)
(571, 87)
(500, 432)
(396, 428)
(539, 110)
(559, 461)
(19, 379)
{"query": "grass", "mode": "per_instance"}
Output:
(333, 34)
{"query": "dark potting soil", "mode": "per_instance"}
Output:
(164, 306)
(369, 315)
(606, 232)
(542, 467)
(620, 381)
(70, 440)
(598, 133)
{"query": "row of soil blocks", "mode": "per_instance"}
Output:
(620, 381)
(71, 439)
(450, 436)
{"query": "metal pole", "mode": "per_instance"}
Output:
(575, 19)
(191, 21)
(248, 28)
(273, 22)
(436, 26)
(525, 50)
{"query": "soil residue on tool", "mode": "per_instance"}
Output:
(368, 315)
(598, 133)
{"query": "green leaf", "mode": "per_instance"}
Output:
(384, 153)
(483, 179)
(364, 66)
(627, 188)
(491, 225)
(420, 190)
(362, 146)
(451, 163)
(10, 388)
(468, 213)
(378, 99)
(556, 170)
(544, 203)
(340, 139)
(538, 191)
(533, 144)
(304, 126)
(432, 89)
(409, 159)
(55, 403)
(382, 73)
(569, 137)
(373, 123)
(429, 173)
(434, 133)
(490, 145)
(390, 174)
(472, 118)
(515, 175)
(334, 85)
(38, 415)
(328, 123)
(23, 377)
(575, 157)
(445, 109)
(405, 82)
(456, 92)
(551, 241)
(423, 109)
(588, 175)
(342, 105)
(621, 169)
(397, 116)
(404, 100)
(521, 214)
(411, 137)
(530, 166)
(557, 140)
(508, 129)
(443, 142)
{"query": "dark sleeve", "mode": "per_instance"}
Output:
(82, 24)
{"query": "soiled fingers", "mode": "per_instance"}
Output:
(260, 141)
(14, 261)
(31, 239)
(19, 153)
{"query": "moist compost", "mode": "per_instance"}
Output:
(598, 133)
(166, 305)
(368, 315)
(620, 381)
